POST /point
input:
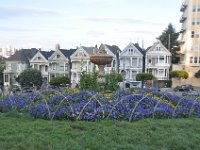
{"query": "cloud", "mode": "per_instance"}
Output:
(120, 20)
(17, 11)
(95, 33)
(93, 1)
(11, 29)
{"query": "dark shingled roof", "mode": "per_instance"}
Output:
(90, 50)
(139, 48)
(113, 48)
(46, 54)
(67, 53)
(23, 55)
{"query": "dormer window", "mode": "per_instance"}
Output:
(157, 48)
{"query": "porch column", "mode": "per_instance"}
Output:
(131, 61)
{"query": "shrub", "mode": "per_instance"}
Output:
(178, 74)
(30, 77)
(60, 80)
(144, 77)
(112, 80)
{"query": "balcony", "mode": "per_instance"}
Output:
(182, 30)
(183, 19)
(183, 7)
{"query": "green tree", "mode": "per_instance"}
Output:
(59, 80)
(112, 80)
(197, 74)
(169, 39)
(2, 67)
(178, 74)
(89, 80)
(30, 77)
(144, 77)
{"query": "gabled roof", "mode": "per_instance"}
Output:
(90, 50)
(114, 48)
(23, 55)
(139, 48)
(46, 54)
(158, 42)
(67, 53)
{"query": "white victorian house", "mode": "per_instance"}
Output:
(113, 51)
(41, 63)
(81, 62)
(60, 63)
(158, 61)
(131, 63)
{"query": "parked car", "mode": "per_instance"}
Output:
(184, 88)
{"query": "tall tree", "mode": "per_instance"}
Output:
(169, 39)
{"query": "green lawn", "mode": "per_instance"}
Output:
(19, 132)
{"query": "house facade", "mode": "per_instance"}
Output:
(80, 61)
(17, 63)
(131, 63)
(113, 51)
(40, 61)
(60, 63)
(158, 61)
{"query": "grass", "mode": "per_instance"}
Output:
(20, 132)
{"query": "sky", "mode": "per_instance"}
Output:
(72, 23)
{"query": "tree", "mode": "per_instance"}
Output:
(2, 67)
(89, 80)
(169, 39)
(144, 77)
(112, 80)
(178, 74)
(59, 81)
(30, 77)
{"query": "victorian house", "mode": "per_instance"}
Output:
(131, 63)
(81, 62)
(113, 51)
(41, 63)
(158, 61)
(17, 63)
(60, 63)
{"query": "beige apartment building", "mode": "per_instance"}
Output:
(190, 36)
(190, 40)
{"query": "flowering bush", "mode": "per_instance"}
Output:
(129, 105)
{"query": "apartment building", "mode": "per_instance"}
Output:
(190, 37)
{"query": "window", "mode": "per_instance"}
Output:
(58, 56)
(157, 48)
(6, 78)
(199, 59)
(192, 34)
(134, 61)
(194, 8)
(198, 8)
(161, 59)
(160, 72)
(191, 59)
(46, 68)
(39, 58)
(35, 66)
(195, 59)
(193, 21)
(150, 61)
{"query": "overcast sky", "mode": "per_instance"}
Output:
(43, 23)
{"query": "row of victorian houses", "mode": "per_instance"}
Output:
(62, 62)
